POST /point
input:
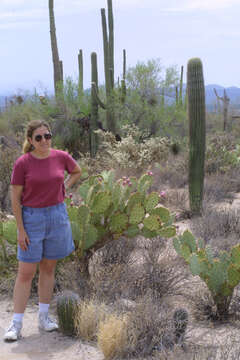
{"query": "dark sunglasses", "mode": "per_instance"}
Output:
(39, 137)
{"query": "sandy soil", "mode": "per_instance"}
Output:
(36, 345)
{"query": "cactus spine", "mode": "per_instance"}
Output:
(80, 68)
(197, 132)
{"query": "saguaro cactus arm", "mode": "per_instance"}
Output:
(95, 94)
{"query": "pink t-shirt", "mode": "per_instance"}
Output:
(42, 179)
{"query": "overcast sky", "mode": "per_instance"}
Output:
(172, 30)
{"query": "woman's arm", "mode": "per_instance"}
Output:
(73, 177)
(16, 193)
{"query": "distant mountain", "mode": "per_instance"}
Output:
(232, 92)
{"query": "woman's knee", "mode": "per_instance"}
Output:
(26, 271)
(47, 266)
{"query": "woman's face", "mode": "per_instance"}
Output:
(41, 139)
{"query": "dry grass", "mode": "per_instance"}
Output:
(88, 316)
(150, 329)
(218, 223)
(112, 336)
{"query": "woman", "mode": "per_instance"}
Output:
(44, 232)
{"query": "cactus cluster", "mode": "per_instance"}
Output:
(110, 209)
(221, 274)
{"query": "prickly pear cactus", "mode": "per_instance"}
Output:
(221, 274)
(110, 209)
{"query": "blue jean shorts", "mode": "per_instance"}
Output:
(49, 232)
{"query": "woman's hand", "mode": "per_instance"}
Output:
(23, 240)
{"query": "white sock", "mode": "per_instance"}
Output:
(18, 317)
(43, 307)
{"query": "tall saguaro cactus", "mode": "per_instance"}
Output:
(123, 81)
(108, 47)
(80, 79)
(111, 42)
(197, 132)
(57, 65)
(94, 106)
(181, 88)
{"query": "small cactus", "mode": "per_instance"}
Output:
(66, 308)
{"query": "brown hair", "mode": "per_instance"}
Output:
(31, 127)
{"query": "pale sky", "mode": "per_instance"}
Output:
(172, 30)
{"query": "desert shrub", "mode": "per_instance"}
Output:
(172, 173)
(222, 153)
(130, 153)
(17, 116)
(154, 275)
(215, 223)
(177, 201)
(7, 158)
(219, 188)
(150, 330)
(87, 318)
(112, 336)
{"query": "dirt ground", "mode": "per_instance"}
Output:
(36, 345)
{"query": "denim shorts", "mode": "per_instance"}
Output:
(49, 232)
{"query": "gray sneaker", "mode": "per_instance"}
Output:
(13, 333)
(46, 323)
